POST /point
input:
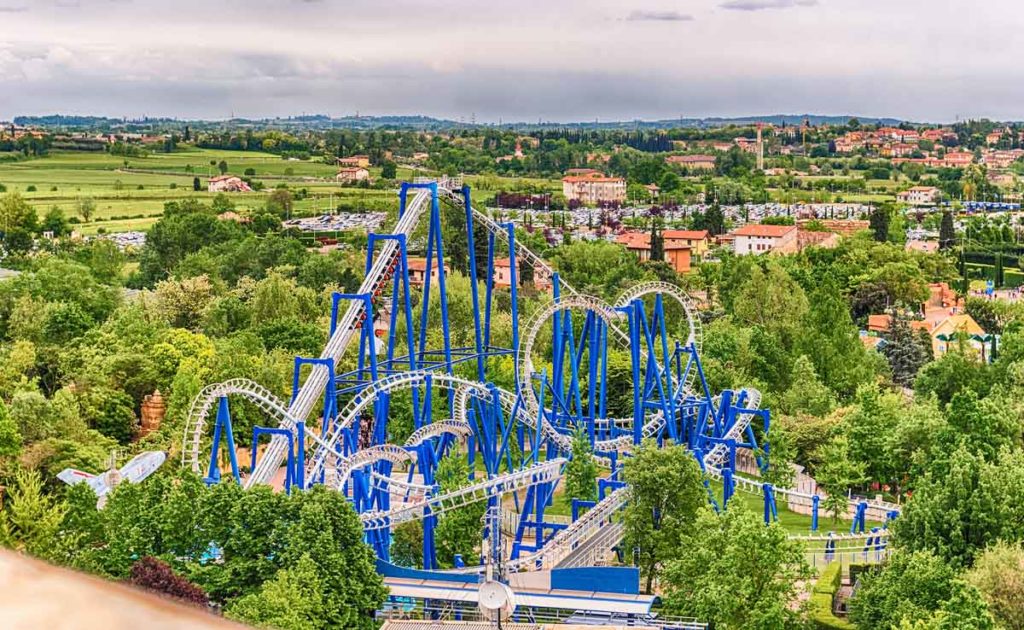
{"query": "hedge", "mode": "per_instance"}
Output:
(822, 598)
(1011, 277)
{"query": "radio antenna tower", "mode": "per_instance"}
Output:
(760, 146)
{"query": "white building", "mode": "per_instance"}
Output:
(593, 188)
(920, 195)
(760, 239)
(352, 174)
(227, 183)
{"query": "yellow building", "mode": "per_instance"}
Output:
(699, 241)
(944, 335)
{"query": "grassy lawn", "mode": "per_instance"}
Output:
(137, 199)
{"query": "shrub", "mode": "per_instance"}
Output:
(31, 188)
(823, 598)
(157, 576)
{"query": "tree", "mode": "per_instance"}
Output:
(657, 241)
(915, 587)
(998, 574)
(329, 532)
(32, 520)
(55, 222)
(292, 600)
(806, 393)
(734, 572)
(388, 169)
(280, 202)
(10, 436)
(85, 207)
(407, 544)
(222, 166)
(713, 221)
(15, 212)
(153, 574)
(879, 223)
(196, 184)
(905, 351)
(581, 473)
(112, 413)
(955, 372)
(837, 474)
(458, 530)
(665, 495)
(962, 504)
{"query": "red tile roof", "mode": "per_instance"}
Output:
(764, 231)
(590, 177)
(693, 235)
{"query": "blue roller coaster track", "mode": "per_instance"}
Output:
(517, 441)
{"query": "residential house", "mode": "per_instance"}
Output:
(747, 144)
(920, 195)
(845, 144)
(899, 150)
(760, 239)
(352, 174)
(503, 275)
(593, 188)
(362, 161)
(944, 335)
(227, 183)
(418, 271)
(698, 241)
(699, 162)
(677, 256)
(955, 159)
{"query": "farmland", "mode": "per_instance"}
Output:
(130, 192)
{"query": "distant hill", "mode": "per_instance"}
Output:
(322, 121)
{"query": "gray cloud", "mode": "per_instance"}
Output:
(271, 57)
(13, 9)
(658, 16)
(760, 5)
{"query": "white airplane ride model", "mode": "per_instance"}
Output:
(140, 467)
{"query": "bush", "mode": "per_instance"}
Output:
(156, 575)
(31, 188)
(823, 599)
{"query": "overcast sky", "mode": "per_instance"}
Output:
(513, 60)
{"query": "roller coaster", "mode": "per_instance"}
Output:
(390, 358)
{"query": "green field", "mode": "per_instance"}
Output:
(137, 199)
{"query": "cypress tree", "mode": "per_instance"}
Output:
(947, 235)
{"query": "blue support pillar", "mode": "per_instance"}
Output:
(771, 513)
(475, 290)
(222, 430)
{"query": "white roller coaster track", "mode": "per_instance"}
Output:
(538, 473)
(696, 333)
(195, 423)
(367, 456)
(566, 542)
(458, 428)
(345, 331)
